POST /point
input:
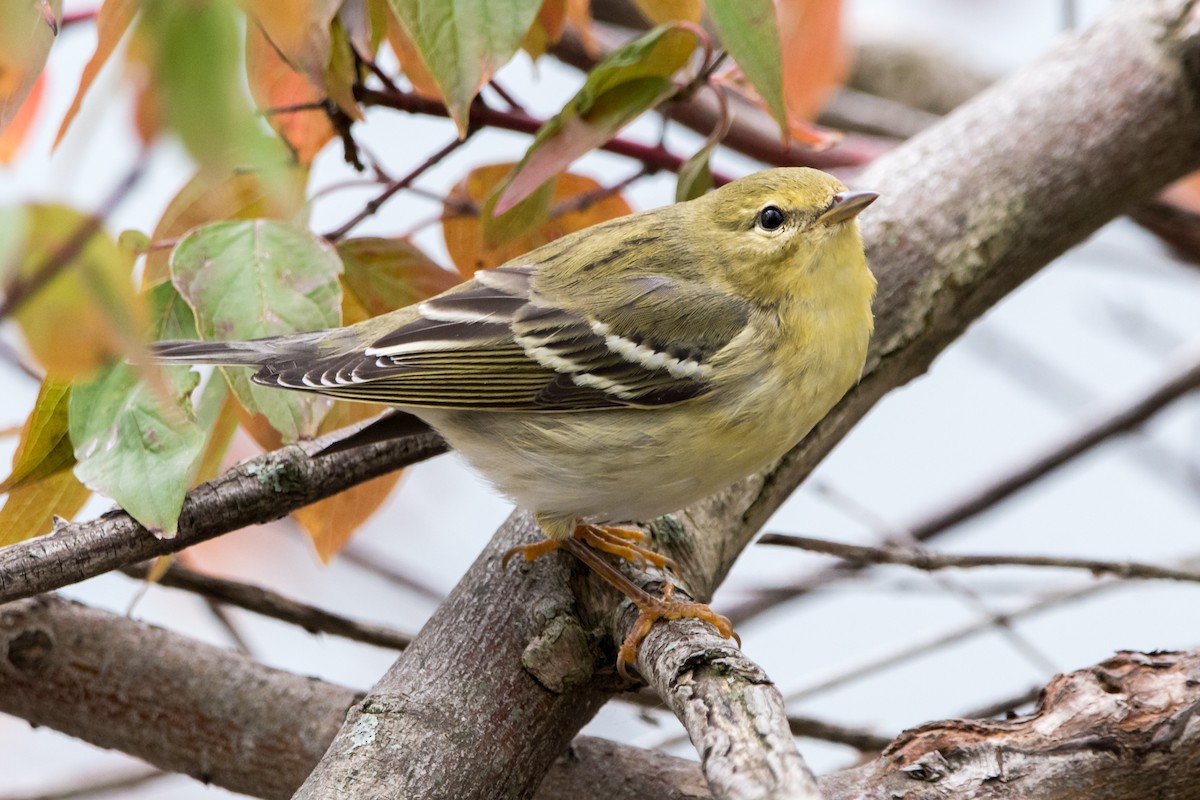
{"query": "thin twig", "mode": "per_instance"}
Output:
(403, 183)
(22, 288)
(925, 560)
(221, 614)
(116, 783)
(374, 563)
(907, 652)
(1004, 705)
(1182, 377)
(652, 156)
(966, 593)
(274, 605)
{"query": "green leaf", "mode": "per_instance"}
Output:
(631, 80)
(749, 32)
(138, 441)
(194, 54)
(695, 176)
(249, 279)
(463, 42)
(134, 447)
(44, 448)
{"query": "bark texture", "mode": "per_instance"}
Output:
(1125, 728)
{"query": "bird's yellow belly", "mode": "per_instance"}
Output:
(648, 463)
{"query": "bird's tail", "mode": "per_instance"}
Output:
(253, 353)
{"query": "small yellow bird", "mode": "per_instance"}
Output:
(623, 371)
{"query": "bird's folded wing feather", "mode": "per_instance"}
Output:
(502, 341)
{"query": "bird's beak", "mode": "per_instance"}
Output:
(846, 206)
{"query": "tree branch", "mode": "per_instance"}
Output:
(274, 605)
(930, 562)
(1122, 729)
(262, 489)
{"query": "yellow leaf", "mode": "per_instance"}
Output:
(44, 448)
(30, 509)
(88, 314)
(660, 11)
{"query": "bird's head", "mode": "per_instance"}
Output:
(776, 231)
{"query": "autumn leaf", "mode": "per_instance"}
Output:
(88, 313)
(26, 34)
(576, 202)
(276, 86)
(238, 195)
(12, 136)
(661, 11)
(332, 521)
(112, 20)
(41, 485)
(626, 83)
(814, 56)
(385, 274)
(44, 448)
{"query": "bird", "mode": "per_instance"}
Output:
(620, 372)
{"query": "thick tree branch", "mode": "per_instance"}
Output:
(970, 209)
(181, 705)
(1122, 729)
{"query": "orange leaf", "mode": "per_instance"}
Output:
(332, 521)
(12, 136)
(814, 56)
(576, 203)
(579, 18)
(382, 275)
(276, 85)
(112, 21)
(410, 60)
(1185, 193)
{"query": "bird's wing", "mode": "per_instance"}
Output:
(501, 342)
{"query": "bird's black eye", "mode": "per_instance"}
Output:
(770, 218)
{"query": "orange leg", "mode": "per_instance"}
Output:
(584, 543)
(620, 542)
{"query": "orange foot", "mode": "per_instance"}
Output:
(624, 543)
(620, 542)
(651, 609)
